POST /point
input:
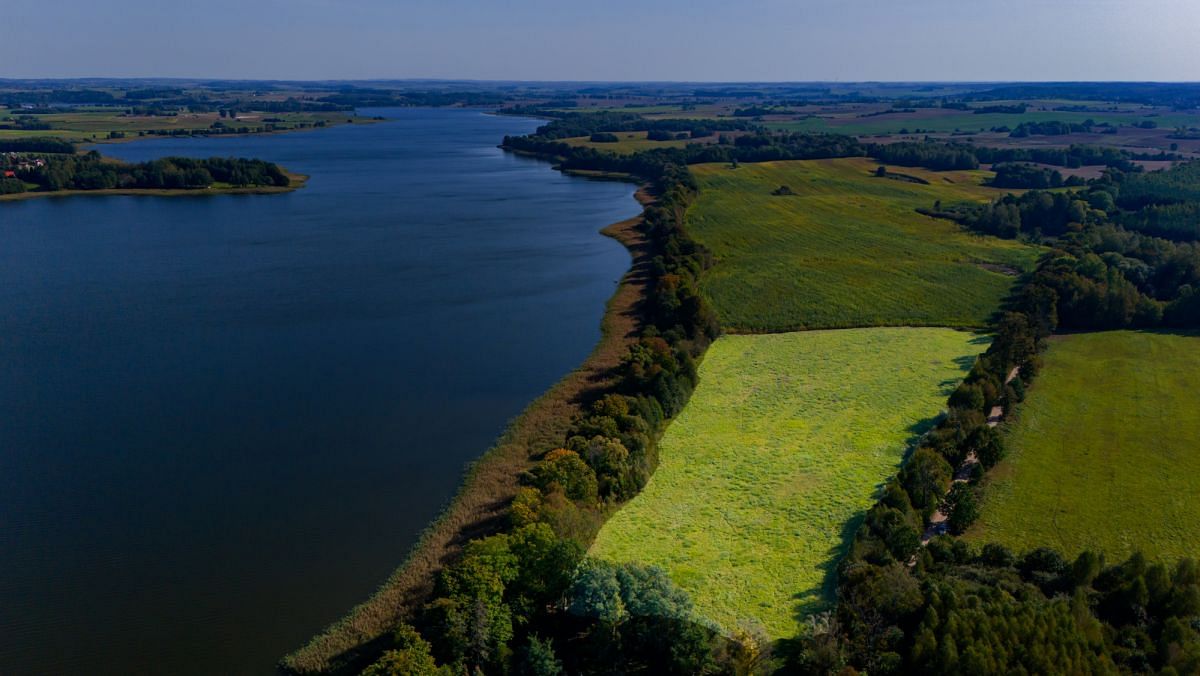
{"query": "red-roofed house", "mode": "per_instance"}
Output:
(10, 174)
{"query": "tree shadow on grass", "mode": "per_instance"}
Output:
(981, 339)
(812, 601)
(965, 362)
(915, 431)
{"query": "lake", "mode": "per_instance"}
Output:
(225, 419)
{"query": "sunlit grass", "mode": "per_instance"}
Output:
(1105, 452)
(768, 470)
(847, 249)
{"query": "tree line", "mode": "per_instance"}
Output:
(1107, 272)
(1021, 175)
(948, 156)
(573, 124)
(756, 147)
(36, 145)
(93, 172)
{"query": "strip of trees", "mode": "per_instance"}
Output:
(90, 171)
(1020, 175)
(36, 145)
(946, 156)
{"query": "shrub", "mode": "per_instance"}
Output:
(567, 470)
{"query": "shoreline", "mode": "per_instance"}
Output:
(478, 506)
(298, 181)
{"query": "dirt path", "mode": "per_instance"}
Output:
(937, 523)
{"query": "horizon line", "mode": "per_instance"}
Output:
(82, 78)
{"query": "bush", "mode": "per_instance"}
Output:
(961, 508)
(568, 471)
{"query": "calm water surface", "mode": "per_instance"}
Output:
(224, 419)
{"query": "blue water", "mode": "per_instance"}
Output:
(224, 419)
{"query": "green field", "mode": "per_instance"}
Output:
(847, 249)
(768, 470)
(629, 142)
(934, 120)
(1104, 452)
(94, 125)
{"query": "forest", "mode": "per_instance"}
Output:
(1020, 175)
(90, 171)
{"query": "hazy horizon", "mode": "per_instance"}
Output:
(767, 41)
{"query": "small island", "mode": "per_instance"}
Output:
(46, 167)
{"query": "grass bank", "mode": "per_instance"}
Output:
(479, 507)
(765, 475)
(846, 248)
(1102, 453)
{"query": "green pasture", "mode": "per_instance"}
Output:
(629, 142)
(937, 120)
(767, 472)
(847, 248)
(1103, 454)
(95, 124)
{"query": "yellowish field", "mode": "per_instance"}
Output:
(767, 472)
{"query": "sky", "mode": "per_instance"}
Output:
(679, 40)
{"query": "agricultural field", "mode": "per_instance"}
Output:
(942, 120)
(847, 248)
(1103, 452)
(97, 125)
(630, 142)
(766, 474)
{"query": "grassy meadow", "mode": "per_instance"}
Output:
(95, 125)
(629, 142)
(768, 470)
(847, 249)
(1103, 452)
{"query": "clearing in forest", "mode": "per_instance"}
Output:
(766, 474)
(846, 248)
(1103, 452)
